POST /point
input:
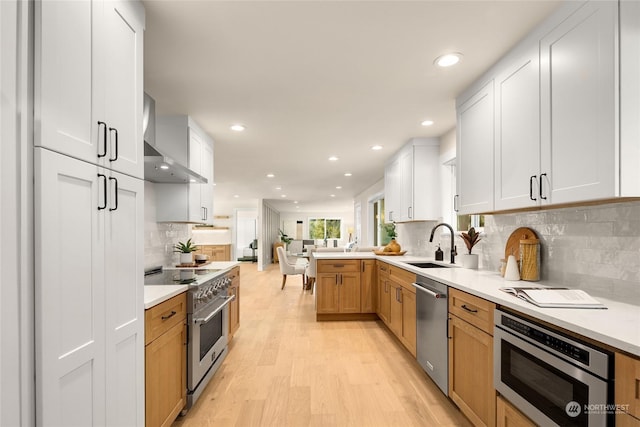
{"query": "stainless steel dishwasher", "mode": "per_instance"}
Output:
(431, 341)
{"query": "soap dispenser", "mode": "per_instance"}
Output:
(439, 254)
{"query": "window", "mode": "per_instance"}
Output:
(325, 228)
(460, 222)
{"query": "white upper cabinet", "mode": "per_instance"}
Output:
(567, 114)
(412, 182)
(517, 142)
(89, 82)
(181, 138)
(474, 146)
(579, 141)
(392, 190)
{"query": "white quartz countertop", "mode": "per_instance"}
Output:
(156, 294)
(618, 326)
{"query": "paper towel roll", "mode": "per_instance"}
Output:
(512, 272)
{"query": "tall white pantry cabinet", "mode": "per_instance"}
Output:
(89, 201)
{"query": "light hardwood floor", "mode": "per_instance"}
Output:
(286, 369)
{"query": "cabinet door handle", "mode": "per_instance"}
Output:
(390, 215)
(115, 192)
(115, 157)
(409, 212)
(173, 313)
(104, 191)
(531, 180)
(541, 195)
(470, 310)
(455, 204)
(104, 138)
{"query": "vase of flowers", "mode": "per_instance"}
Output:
(470, 238)
(392, 246)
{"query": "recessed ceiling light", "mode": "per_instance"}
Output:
(278, 188)
(448, 59)
(295, 202)
(236, 196)
(238, 127)
(333, 158)
(339, 187)
(376, 147)
(347, 174)
(427, 123)
(332, 195)
(165, 167)
(270, 175)
(283, 195)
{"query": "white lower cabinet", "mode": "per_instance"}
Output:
(89, 293)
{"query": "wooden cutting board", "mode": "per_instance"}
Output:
(513, 243)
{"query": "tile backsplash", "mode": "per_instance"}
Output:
(595, 248)
(159, 237)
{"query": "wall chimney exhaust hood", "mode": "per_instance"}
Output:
(159, 167)
(163, 169)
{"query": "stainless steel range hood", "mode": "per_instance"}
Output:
(159, 167)
(163, 169)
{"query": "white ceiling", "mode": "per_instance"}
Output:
(312, 79)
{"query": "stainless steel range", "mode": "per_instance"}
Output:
(207, 320)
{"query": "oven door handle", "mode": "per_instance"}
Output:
(216, 311)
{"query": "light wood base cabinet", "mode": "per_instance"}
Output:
(165, 361)
(234, 306)
(397, 303)
(383, 305)
(215, 252)
(508, 416)
(471, 358)
(627, 389)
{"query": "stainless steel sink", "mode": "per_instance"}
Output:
(427, 265)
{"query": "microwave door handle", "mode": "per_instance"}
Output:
(216, 311)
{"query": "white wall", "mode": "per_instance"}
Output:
(17, 391)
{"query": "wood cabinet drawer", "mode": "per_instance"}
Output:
(338, 266)
(627, 386)
(383, 269)
(163, 316)
(476, 311)
(403, 277)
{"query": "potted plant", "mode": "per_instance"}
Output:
(470, 238)
(185, 249)
(285, 239)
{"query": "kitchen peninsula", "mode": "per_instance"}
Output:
(617, 326)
